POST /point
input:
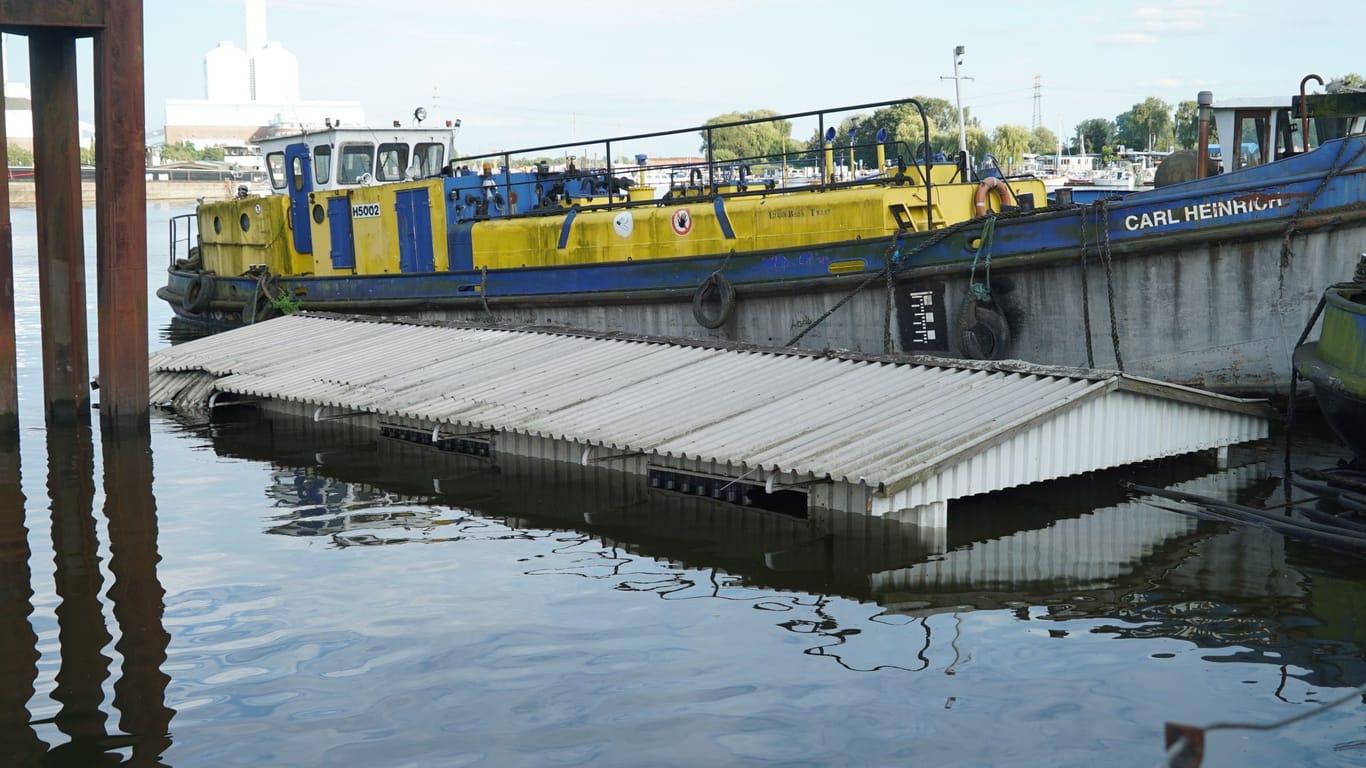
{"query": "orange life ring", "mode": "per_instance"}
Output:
(988, 184)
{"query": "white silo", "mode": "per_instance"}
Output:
(227, 75)
(275, 75)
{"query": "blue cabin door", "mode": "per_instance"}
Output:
(339, 226)
(414, 209)
(299, 180)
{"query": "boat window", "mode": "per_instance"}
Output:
(1251, 135)
(357, 160)
(429, 157)
(322, 163)
(296, 173)
(275, 165)
(393, 161)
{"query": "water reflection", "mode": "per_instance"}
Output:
(18, 641)
(1059, 553)
(83, 734)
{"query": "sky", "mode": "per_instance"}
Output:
(536, 72)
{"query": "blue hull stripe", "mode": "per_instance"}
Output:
(564, 229)
(721, 218)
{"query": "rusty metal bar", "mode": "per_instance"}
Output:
(24, 16)
(9, 360)
(61, 253)
(121, 218)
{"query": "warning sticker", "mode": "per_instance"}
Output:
(682, 221)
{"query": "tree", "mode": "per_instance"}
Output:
(1095, 133)
(1348, 82)
(756, 141)
(20, 156)
(1147, 126)
(1009, 143)
(1187, 120)
(1043, 141)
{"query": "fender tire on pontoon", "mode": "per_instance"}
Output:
(983, 333)
(198, 294)
(714, 301)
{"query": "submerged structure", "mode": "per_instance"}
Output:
(871, 435)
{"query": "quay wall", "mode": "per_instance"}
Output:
(22, 193)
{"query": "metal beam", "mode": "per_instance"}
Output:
(27, 16)
(121, 218)
(61, 252)
(9, 360)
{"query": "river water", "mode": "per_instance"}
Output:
(256, 594)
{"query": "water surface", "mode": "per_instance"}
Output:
(268, 593)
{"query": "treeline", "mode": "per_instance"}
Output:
(1152, 125)
(23, 156)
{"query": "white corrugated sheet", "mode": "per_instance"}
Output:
(913, 434)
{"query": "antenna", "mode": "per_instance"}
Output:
(1038, 105)
(958, 96)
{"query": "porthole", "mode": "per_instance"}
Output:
(246, 222)
(217, 226)
(318, 214)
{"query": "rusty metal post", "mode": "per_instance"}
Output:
(121, 218)
(61, 251)
(1203, 100)
(9, 360)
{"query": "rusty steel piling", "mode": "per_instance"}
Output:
(52, 27)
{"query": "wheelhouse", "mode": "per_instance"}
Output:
(1259, 131)
(339, 158)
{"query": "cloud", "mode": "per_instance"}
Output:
(1184, 16)
(1131, 38)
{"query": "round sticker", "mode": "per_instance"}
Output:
(623, 223)
(257, 208)
(682, 221)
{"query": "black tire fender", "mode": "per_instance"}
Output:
(198, 294)
(714, 301)
(983, 333)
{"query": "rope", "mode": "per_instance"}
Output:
(1294, 385)
(1086, 294)
(893, 255)
(1104, 208)
(484, 293)
(904, 260)
(1293, 226)
(983, 291)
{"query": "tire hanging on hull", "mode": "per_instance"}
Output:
(713, 302)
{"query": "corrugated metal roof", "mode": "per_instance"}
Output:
(888, 424)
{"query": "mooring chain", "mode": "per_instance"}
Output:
(1293, 226)
(1104, 209)
(1086, 293)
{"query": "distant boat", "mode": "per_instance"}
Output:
(1205, 283)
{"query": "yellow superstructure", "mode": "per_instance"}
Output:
(383, 221)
